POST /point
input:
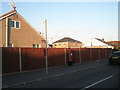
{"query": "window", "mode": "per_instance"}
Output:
(15, 24)
(11, 45)
(75, 44)
(39, 46)
(64, 44)
(44, 41)
(36, 45)
(12, 23)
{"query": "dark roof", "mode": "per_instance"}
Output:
(103, 41)
(67, 39)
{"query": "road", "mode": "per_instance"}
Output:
(104, 76)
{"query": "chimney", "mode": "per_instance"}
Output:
(102, 39)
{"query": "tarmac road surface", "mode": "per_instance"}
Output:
(101, 76)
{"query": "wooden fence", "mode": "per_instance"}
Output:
(24, 59)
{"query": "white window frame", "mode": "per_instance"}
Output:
(55, 44)
(59, 44)
(11, 45)
(10, 23)
(36, 46)
(19, 24)
(15, 24)
(39, 45)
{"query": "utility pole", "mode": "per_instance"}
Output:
(46, 57)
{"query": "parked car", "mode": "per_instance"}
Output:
(114, 57)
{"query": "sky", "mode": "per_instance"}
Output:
(78, 20)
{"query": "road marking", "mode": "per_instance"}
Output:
(97, 82)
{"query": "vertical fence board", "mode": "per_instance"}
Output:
(102, 53)
(10, 60)
(95, 54)
(56, 57)
(85, 54)
(32, 58)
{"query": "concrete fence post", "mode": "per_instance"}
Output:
(99, 53)
(91, 54)
(106, 53)
(80, 55)
(20, 58)
(65, 56)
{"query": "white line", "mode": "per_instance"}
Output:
(97, 82)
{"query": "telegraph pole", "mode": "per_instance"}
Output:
(46, 57)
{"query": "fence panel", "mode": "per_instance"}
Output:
(95, 53)
(33, 58)
(56, 57)
(108, 51)
(10, 60)
(102, 53)
(85, 54)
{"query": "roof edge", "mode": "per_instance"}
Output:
(31, 26)
(15, 11)
(59, 41)
(8, 14)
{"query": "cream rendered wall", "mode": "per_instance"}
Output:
(60, 45)
(67, 45)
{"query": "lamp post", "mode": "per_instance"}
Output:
(46, 56)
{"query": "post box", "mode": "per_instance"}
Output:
(70, 55)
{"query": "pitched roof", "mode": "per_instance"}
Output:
(96, 42)
(67, 39)
(102, 41)
(113, 42)
(7, 14)
(15, 11)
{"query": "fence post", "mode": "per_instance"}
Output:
(20, 63)
(65, 56)
(98, 54)
(80, 55)
(91, 54)
(106, 52)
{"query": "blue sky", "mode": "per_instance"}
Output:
(78, 20)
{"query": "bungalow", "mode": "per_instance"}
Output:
(67, 42)
(97, 43)
(17, 32)
(116, 44)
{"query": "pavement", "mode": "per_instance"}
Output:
(23, 78)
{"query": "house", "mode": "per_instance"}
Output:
(97, 43)
(17, 32)
(67, 42)
(116, 44)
